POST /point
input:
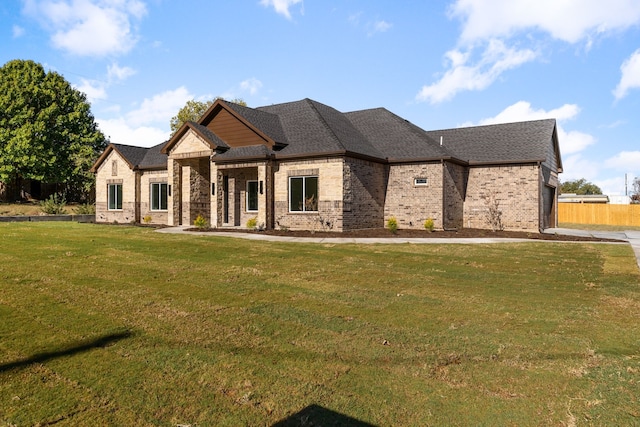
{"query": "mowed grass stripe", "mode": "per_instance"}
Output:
(217, 331)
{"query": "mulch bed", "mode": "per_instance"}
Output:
(384, 233)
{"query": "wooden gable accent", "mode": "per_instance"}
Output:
(233, 129)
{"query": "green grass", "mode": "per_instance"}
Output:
(113, 325)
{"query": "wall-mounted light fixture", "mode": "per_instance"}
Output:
(261, 189)
(213, 188)
(169, 189)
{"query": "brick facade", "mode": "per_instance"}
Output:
(115, 170)
(516, 188)
(330, 194)
(411, 203)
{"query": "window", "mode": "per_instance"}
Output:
(420, 181)
(252, 196)
(303, 194)
(115, 197)
(159, 192)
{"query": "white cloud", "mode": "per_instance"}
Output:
(487, 22)
(89, 27)
(630, 76)
(464, 75)
(575, 167)
(160, 108)
(251, 85)
(121, 132)
(379, 27)
(17, 31)
(625, 160)
(117, 73)
(571, 142)
(281, 6)
(567, 20)
(95, 90)
(147, 125)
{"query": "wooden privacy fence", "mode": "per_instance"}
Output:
(604, 214)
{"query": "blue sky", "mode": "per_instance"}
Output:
(439, 64)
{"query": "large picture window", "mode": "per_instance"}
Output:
(115, 197)
(303, 194)
(159, 192)
(252, 196)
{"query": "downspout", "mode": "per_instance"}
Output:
(540, 199)
(444, 204)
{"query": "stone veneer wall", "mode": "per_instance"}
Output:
(412, 204)
(515, 187)
(330, 188)
(146, 179)
(198, 185)
(455, 188)
(121, 174)
(364, 185)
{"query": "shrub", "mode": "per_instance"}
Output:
(147, 219)
(428, 224)
(200, 222)
(54, 205)
(252, 223)
(392, 225)
(86, 209)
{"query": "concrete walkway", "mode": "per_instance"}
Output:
(632, 237)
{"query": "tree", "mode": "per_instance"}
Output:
(193, 110)
(47, 132)
(579, 186)
(635, 192)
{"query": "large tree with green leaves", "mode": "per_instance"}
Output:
(47, 131)
(193, 111)
(579, 186)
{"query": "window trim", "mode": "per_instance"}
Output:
(420, 184)
(304, 189)
(118, 201)
(246, 196)
(159, 186)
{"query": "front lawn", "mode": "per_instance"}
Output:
(114, 325)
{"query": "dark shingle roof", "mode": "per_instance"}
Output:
(133, 155)
(141, 157)
(154, 159)
(395, 137)
(308, 127)
(509, 142)
(315, 128)
(247, 152)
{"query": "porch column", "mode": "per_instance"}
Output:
(215, 192)
(265, 195)
(173, 198)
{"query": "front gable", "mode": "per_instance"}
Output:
(190, 145)
(108, 155)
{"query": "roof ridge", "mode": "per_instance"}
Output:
(324, 121)
(493, 124)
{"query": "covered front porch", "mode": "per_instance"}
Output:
(241, 192)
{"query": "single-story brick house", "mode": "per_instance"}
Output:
(305, 165)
